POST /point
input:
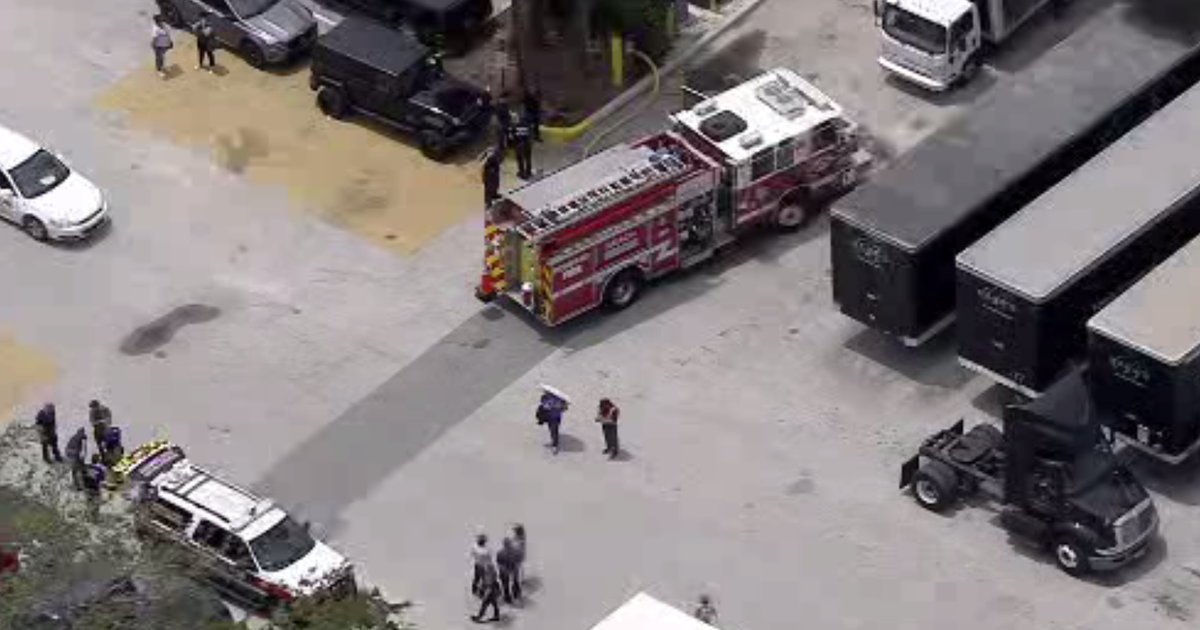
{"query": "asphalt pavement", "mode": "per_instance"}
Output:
(267, 323)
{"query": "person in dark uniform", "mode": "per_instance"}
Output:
(76, 452)
(504, 123)
(100, 418)
(523, 145)
(607, 417)
(47, 424)
(491, 176)
(533, 113)
(206, 43)
(93, 481)
(508, 562)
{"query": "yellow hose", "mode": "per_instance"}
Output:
(641, 110)
(569, 134)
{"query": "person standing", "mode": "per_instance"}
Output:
(523, 146)
(521, 545)
(93, 481)
(206, 42)
(47, 424)
(114, 450)
(160, 41)
(533, 113)
(705, 611)
(481, 557)
(100, 418)
(76, 454)
(508, 564)
(491, 176)
(490, 595)
(549, 413)
(503, 127)
(607, 417)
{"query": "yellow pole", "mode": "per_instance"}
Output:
(618, 60)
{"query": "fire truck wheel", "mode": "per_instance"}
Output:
(623, 289)
(791, 216)
(935, 486)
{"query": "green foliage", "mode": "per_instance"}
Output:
(369, 611)
(644, 22)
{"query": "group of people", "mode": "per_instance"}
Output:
(519, 133)
(87, 475)
(550, 411)
(206, 43)
(500, 576)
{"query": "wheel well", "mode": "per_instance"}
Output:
(635, 269)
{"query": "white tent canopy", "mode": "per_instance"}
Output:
(643, 612)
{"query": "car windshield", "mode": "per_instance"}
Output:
(282, 545)
(40, 174)
(247, 9)
(914, 30)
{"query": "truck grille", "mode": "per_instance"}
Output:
(1135, 524)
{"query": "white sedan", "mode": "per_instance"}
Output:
(43, 195)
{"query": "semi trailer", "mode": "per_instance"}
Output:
(1053, 475)
(1144, 359)
(938, 43)
(1026, 290)
(893, 239)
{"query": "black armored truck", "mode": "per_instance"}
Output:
(365, 67)
(1053, 473)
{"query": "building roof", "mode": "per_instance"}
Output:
(954, 172)
(643, 612)
(1160, 315)
(775, 105)
(15, 148)
(385, 49)
(1079, 223)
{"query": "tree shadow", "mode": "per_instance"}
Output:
(933, 363)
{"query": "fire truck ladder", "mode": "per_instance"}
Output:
(629, 181)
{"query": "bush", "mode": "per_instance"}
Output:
(644, 22)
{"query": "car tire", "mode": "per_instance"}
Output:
(253, 54)
(1071, 556)
(623, 290)
(935, 486)
(35, 229)
(434, 146)
(332, 102)
(171, 14)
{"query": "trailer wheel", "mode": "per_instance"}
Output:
(1071, 556)
(623, 290)
(935, 486)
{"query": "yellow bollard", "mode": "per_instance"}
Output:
(618, 60)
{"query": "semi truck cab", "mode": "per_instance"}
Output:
(933, 43)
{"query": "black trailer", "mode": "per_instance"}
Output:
(894, 238)
(1059, 485)
(1144, 357)
(1027, 289)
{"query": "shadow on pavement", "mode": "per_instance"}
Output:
(932, 364)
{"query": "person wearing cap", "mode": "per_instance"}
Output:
(549, 412)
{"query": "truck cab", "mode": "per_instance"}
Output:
(932, 43)
(1056, 477)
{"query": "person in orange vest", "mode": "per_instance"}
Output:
(607, 417)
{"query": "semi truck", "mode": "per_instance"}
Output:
(1053, 475)
(1026, 290)
(593, 233)
(1144, 358)
(938, 43)
(894, 238)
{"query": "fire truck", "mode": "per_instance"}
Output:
(766, 152)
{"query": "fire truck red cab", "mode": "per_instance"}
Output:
(764, 152)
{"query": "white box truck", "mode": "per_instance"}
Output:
(937, 43)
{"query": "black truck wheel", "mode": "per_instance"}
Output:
(935, 486)
(332, 102)
(434, 146)
(623, 290)
(1071, 555)
(253, 54)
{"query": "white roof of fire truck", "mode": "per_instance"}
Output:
(588, 187)
(759, 113)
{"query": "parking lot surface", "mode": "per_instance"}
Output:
(246, 304)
